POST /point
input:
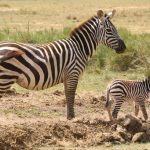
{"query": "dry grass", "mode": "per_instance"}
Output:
(47, 14)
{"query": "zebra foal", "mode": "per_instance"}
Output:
(130, 90)
(39, 67)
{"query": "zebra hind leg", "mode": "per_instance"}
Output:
(143, 109)
(6, 80)
(119, 102)
(5, 86)
(70, 89)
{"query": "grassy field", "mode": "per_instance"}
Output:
(42, 21)
(36, 15)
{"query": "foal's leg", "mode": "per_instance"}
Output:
(136, 108)
(143, 109)
(108, 109)
(119, 102)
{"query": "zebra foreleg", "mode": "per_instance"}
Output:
(119, 102)
(70, 89)
(143, 109)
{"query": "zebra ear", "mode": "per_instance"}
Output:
(111, 14)
(100, 14)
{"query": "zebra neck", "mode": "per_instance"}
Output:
(85, 36)
(85, 42)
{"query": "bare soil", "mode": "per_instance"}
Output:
(34, 119)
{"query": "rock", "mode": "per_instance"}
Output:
(145, 126)
(141, 137)
(132, 124)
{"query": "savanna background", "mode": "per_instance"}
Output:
(37, 120)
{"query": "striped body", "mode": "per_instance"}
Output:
(128, 90)
(39, 67)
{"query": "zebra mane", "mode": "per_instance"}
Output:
(76, 29)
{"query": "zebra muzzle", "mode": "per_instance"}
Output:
(121, 46)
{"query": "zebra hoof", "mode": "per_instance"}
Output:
(70, 117)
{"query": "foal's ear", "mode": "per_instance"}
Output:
(100, 14)
(111, 14)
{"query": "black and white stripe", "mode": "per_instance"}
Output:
(130, 90)
(39, 67)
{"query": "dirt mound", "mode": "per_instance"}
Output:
(79, 133)
(60, 133)
(37, 119)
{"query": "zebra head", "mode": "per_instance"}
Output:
(107, 32)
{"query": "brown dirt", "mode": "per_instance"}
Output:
(35, 119)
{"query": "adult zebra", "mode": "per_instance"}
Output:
(39, 67)
(128, 90)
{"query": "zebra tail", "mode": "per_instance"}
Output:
(5, 55)
(107, 99)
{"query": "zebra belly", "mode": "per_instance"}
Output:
(23, 82)
(129, 99)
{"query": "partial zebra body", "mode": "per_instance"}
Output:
(51, 64)
(38, 67)
(127, 90)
